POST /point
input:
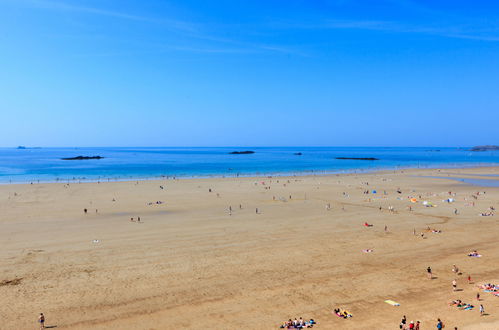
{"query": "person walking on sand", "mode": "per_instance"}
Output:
(469, 279)
(440, 324)
(41, 320)
(478, 296)
(417, 325)
(428, 270)
(482, 310)
(454, 285)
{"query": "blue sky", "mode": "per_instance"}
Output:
(249, 73)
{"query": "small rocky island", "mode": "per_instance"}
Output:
(358, 158)
(83, 158)
(241, 152)
(297, 154)
(485, 148)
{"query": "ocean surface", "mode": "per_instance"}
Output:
(45, 164)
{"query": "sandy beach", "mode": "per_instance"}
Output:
(208, 260)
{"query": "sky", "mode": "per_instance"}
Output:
(249, 73)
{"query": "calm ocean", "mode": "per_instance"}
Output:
(45, 164)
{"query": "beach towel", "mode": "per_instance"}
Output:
(475, 256)
(391, 302)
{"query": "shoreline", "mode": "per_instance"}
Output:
(255, 175)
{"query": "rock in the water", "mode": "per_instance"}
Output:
(485, 148)
(83, 158)
(241, 152)
(358, 158)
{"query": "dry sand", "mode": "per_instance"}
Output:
(191, 265)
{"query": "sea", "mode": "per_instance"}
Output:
(25, 165)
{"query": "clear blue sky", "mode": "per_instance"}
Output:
(249, 73)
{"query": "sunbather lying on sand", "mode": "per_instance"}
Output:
(298, 324)
(342, 313)
(474, 254)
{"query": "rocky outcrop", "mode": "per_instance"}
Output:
(83, 158)
(241, 152)
(358, 158)
(485, 148)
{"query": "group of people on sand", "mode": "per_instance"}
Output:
(411, 326)
(459, 304)
(487, 214)
(490, 288)
(298, 324)
(157, 203)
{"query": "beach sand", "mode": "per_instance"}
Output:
(189, 264)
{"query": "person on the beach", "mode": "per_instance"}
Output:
(469, 279)
(256, 210)
(428, 270)
(454, 285)
(478, 296)
(41, 320)
(440, 324)
(455, 269)
(85, 211)
(482, 310)
(403, 322)
(417, 325)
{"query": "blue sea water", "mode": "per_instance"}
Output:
(45, 164)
